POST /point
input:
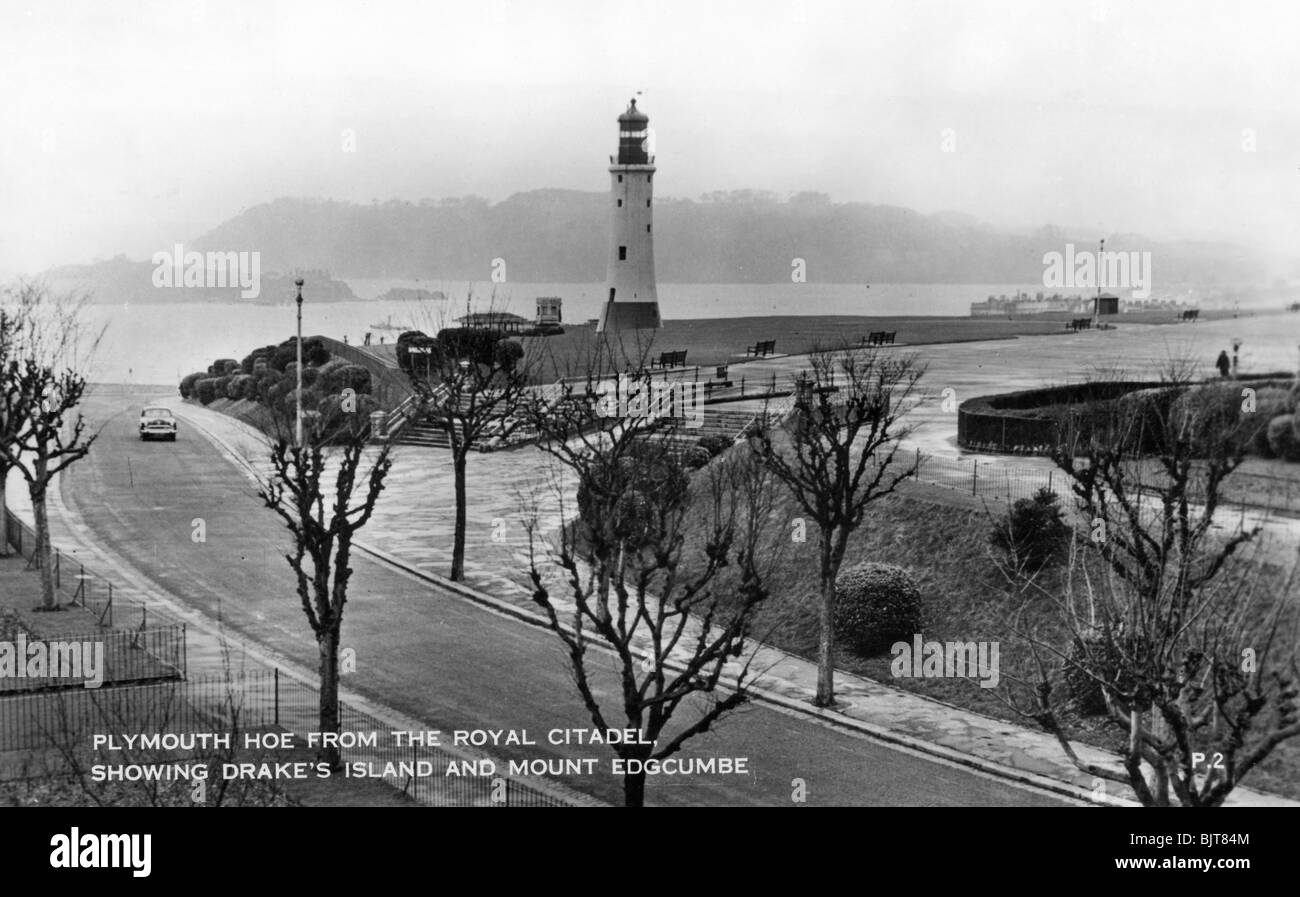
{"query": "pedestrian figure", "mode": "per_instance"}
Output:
(367, 342)
(345, 339)
(1223, 364)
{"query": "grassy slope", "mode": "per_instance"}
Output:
(944, 544)
(714, 341)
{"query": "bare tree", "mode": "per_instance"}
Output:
(44, 445)
(838, 453)
(325, 493)
(1161, 625)
(473, 386)
(12, 414)
(663, 569)
(40, 390)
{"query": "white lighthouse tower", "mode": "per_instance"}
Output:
(630, 299)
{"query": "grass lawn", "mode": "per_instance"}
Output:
(713, 341)
(946, 549)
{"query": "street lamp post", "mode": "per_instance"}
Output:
(298, 409)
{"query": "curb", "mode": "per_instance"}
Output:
(760, 692)
(757, 690)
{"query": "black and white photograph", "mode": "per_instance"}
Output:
(588, 404)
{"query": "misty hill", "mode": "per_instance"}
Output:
(744, 236)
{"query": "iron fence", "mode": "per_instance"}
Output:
(258, 701)
(83, 586)
(1240, 492)
(116, 657)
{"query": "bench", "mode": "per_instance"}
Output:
(1079, 324)
(762, 348)
(674, 359)
(878, 338)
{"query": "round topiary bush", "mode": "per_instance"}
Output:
(310, 400)
(1210, 416)
(223, 384)
(188, 383)
(239, 385)
(330, 375)
(875, 606)
(206, 390)
(335, 420)
(1270, 402)
(714, 445)
(696, 457)
(1282, 437)
(507, 354)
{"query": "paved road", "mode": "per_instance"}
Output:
(437, 657)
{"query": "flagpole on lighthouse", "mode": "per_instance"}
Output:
(298, 404)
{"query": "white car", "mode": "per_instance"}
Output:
(157, 423)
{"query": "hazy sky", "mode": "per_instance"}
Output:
(132, 126)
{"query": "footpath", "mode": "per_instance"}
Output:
(411, 530)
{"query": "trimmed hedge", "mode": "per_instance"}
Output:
(714, 445)
(336, 378)
(474, 344)
(875, 606)
(507, 354)
(313, 352)
(206, 390)
(1282, 437)
(188, 384)
(239, 385)
(333, 417)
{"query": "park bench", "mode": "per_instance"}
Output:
(879, 338)
(761, 348)
(670, 359)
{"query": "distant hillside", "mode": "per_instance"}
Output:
(745, 236)
(120, 280)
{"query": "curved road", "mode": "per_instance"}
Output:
(440, 658)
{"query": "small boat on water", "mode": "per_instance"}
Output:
(386, 325)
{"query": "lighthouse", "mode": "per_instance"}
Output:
(630, 299)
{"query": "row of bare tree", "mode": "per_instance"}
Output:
(655, 578)
(42, 349)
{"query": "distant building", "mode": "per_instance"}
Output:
(501, 321)
(1107, 304)
(548, 310)
(1022, 304)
